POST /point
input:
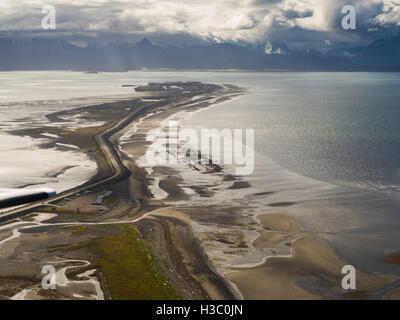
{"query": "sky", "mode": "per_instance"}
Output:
(313, 24)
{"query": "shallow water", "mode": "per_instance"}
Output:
(25, 100)
(327, 140)
(317, 147)
(338, 127)
(343, 128)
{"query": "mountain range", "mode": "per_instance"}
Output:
(43, 54)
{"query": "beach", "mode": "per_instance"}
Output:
(275, 234)
(282, 246)
(41, 234)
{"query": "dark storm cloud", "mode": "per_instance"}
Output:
(312, 23)
(292, 14)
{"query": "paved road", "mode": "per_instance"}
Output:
(118, 169)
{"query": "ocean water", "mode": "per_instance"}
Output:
(55, 85)
(327, 141)
(25, 100)
(343, 128)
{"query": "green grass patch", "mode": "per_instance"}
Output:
(130, 271)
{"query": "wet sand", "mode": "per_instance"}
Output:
(200, 222)
(270, 252)
(61, 234)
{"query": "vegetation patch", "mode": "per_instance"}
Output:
(131, 272)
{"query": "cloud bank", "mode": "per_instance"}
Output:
(310, 23)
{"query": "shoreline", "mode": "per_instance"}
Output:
(219, 232)
(134, 207)
(46, 139)
(273, 239)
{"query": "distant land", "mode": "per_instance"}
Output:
(43, 54)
